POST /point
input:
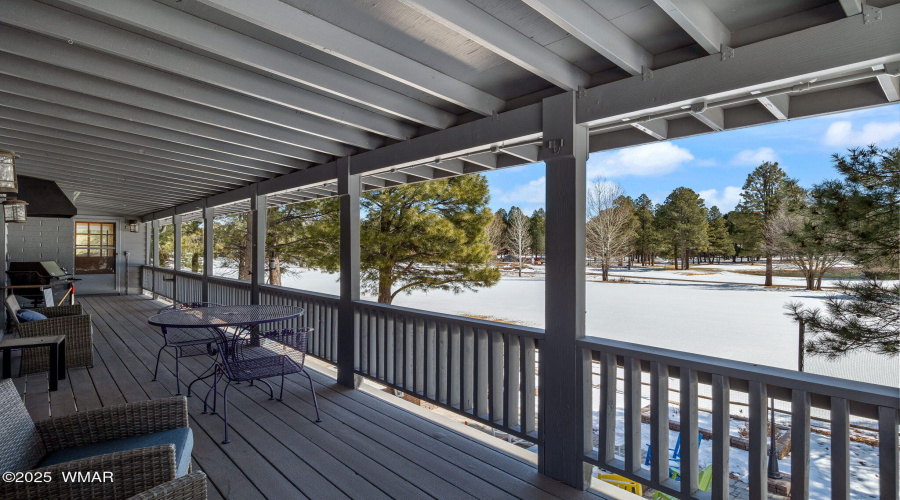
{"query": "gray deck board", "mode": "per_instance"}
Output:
(367, 446)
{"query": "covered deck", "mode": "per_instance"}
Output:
(369, 445)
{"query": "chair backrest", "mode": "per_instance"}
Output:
(12, 307)
(21, 447)
(704, 480)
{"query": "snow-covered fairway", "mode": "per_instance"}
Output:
(740, 322)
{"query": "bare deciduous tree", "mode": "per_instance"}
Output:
(796, 236)
(518, 234)
(496, 233)
(610, 224)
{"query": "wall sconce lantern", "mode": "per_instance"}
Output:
(134, 226)
(8, 182)
(14, 210)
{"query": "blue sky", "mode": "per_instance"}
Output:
(715, 165)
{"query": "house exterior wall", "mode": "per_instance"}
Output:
(54, 239)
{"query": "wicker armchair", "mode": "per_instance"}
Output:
(141, 472)
(63, 320)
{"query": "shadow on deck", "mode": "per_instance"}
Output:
(370, 444)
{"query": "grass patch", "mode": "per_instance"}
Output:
(834, 274)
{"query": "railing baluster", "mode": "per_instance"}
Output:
(430, 359)
(659, 422)
(382, 344)
(388, 335)
(419, 356)
(799, 445)
(481, 374)
(888, 455)
(372, 321)
(528, 381)
(689, 431)
(357, 339)
(467, 373)
(442, 360)
(757, 441)
(840, 448)
(607, 408)
(454, 353)
(409, 369)
(496, 373)
(511, 383)
(632, 415)
(721, 440)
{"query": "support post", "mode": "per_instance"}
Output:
(176, 255)
(257, 245)
(3, 259)
(564, 417)
(209, 214)
(349, 192)
(155, 262)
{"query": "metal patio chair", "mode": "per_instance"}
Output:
(247, 358)
(187, 342)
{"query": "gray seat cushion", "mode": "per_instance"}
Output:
(182, 438)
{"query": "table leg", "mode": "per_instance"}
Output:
(7, 363)
(62, 360)
(54, 366)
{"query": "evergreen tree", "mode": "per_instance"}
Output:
(719, 241)
(192, 245)
(537, 228)
(860, 213)
(765, 190)
(645, 236)
(682, 221)
(425, 236)
(745, 231)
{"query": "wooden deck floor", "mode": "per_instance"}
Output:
(370, 444)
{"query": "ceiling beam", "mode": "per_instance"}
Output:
(836, 48)
(778, 105)
(273, 163)
(852, 7)
(70, 56)
(206, 36)
(527, 152)
(890, 81)
(498, 37)
(314, 148)
(85, 32)
(713, 118)
(293, 155)
(699, 22)
(295, 24)
(452, 166)
(658, 129)
(17, 117)
(595, 31)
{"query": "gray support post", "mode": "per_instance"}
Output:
(3, 258)
(257, 245)
(155, 256)
(348, 191)
(209, 214)
(176, 224)
(564, 417)
(176, 255)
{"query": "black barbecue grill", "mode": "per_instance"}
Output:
(32, 278)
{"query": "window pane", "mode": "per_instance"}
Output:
(81, 239)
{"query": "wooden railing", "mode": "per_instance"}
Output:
(843, 399)
(487, 371)
(482, 369)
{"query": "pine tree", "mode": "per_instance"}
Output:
(860, 214)
(645, 236)
(537, 228)
(745, 231)
(682, 221)
(720, 243)
(765, 190)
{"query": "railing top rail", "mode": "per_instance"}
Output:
(522, 331)
(297, 291)
(242, 283)
(824, 385)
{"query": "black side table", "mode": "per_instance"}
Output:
(57, 345)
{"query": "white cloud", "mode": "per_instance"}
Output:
(534, 192)
(842, 134)
(706, 162)
(658, 158)
(754, 157)
(726, 201)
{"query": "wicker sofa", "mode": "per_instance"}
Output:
(62, 320)
(159, 471)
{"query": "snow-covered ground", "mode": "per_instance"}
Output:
(740, 322)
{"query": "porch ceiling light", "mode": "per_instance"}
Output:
(8, 182)
(134, 226)
(14, 210)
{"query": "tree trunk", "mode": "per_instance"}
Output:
(686, 260)
(768, 270)
(520, 265)
(810, 281)
(274, 270)
(195, 262)
(384, 287)
(605, 269)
